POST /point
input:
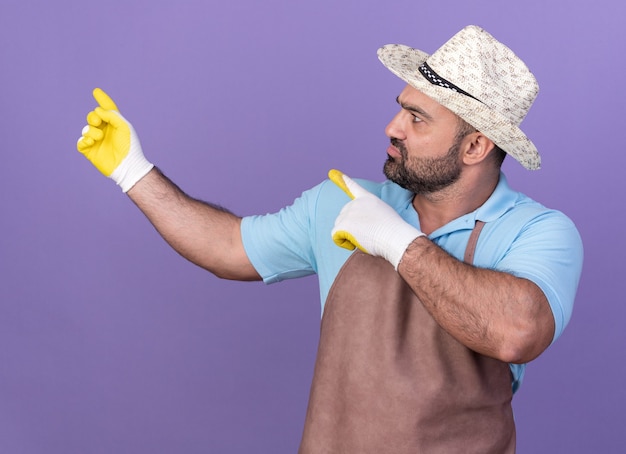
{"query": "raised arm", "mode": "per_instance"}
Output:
(207, 235)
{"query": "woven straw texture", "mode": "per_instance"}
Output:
(501, 86)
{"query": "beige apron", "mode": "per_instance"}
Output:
(388, 379)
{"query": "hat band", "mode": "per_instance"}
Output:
(435, 79)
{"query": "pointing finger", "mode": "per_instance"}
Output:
(104, 100)
(336, 177)
(349, 186)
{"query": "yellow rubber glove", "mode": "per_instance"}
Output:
(110, 142)
(370, 224)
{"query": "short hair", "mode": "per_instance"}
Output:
(498, 154)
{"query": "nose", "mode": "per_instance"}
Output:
(394, 129)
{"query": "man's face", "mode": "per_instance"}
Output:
(424, 153)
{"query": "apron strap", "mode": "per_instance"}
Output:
(471, 243)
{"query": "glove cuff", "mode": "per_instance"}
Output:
(403, 236)
(131, 170)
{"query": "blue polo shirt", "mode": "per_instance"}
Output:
(520, 237)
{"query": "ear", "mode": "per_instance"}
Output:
(476, 147)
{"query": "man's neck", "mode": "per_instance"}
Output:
(466, 195)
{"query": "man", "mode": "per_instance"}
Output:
(457, 281)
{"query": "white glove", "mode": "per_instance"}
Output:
(370, 224)
(110, 142)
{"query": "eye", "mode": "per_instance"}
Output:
(415, 119)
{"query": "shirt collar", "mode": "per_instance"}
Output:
(501, 200)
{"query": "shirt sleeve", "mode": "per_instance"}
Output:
(548, 251)
(279, 245)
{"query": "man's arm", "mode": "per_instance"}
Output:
(491, 312)
(207, 235)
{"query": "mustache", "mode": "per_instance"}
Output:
(399, 145)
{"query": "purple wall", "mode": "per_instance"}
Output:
(111, 343)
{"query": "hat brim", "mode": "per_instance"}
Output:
(404, 62)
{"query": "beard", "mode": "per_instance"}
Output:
(423, 175)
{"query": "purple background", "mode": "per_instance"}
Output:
(111, 343)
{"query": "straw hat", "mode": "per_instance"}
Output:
(479, 79)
